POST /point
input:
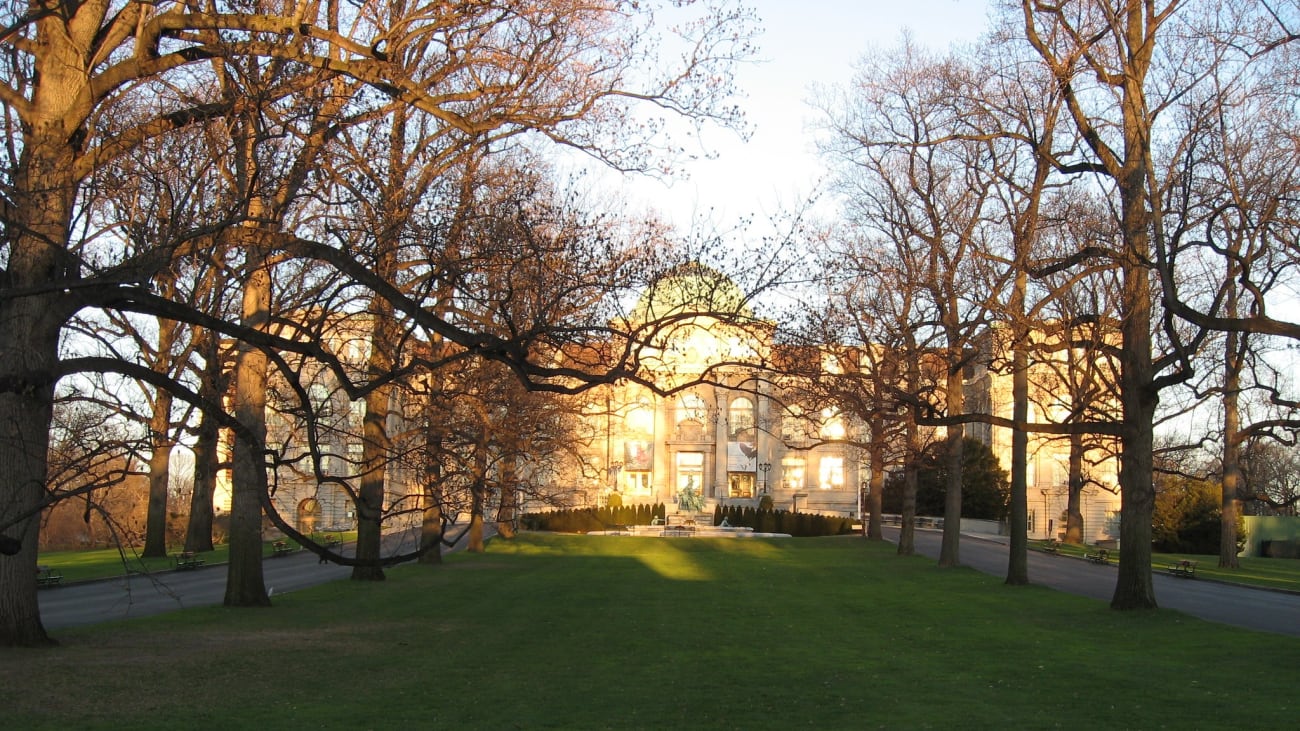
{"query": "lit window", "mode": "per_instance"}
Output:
(792, 472)
(831, 473)
(832, 425)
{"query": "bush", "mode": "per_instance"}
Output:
(986, 487)
(1188, 517)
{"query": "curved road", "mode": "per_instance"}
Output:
(141, 595)
(1257, 609)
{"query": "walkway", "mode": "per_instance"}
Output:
(1241, 606)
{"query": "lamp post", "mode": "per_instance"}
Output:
(765, 468)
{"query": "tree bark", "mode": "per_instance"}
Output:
(877, 491)
(1074, 498)
(245, 585)
(1018, 517)
(950, 549)
(198, 533)
(160, 443)
(509, 497)
(41, 205)
(1231, 501)
(376, 444)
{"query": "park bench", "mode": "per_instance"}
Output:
(1051, 546)
(332, 542)
(46, 576)
(1185, 569)
(1101, 555)
(188, 560)
(281, 548)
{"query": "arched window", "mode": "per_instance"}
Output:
(832, 425)
(692, 408)
(740, 418)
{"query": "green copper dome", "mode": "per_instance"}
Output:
(691, 288)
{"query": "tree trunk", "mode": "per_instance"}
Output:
(245, 586)
(950, 550)
(431, 527)
(1133, 587)
(1231, 501)
(1074, 500)
(198, 534)
(37, 219)
(509, 497)
(477, 493)
(376, 446)
(160, 443)
(877, 491)
(1018, 513)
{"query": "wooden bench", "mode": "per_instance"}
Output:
(1185, 569)
(1101, 555)
(281, 548)
(46, 576)
(332, 542)
(1051, 546)
(186, 560)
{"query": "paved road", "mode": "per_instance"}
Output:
(141, 596)
(1257, 609)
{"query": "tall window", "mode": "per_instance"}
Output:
(740, 418)
(832, 425)
(792, 473)
(831, 473)
(692, 408)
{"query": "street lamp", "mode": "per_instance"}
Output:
(765, 468)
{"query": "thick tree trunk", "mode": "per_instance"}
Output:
(431, 527)
(1018, 514)
(876, 492)
(1133, 587)
(245, 585)
(950, 550)
(1074, 500)
(376, 448)
(39, 210)
(27, 346)
(1233, 349)
(1231, 502)
(160, 443)
(509, 498)
(198, 533)
(477, 491)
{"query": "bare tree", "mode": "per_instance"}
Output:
(917, 181)
(85, 83)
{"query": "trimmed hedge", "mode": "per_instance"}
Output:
(585, 520)
(801, 525)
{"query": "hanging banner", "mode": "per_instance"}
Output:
(638, 455)
(740, 457)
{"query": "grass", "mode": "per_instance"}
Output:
(109, 562)
(572, 632)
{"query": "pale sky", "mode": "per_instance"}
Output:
(804, 42)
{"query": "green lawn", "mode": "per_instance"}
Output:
(573, 632)
(109, 562)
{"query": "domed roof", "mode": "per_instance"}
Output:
(691, 288)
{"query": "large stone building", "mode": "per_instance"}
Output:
(731, 429)
(726, 433)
